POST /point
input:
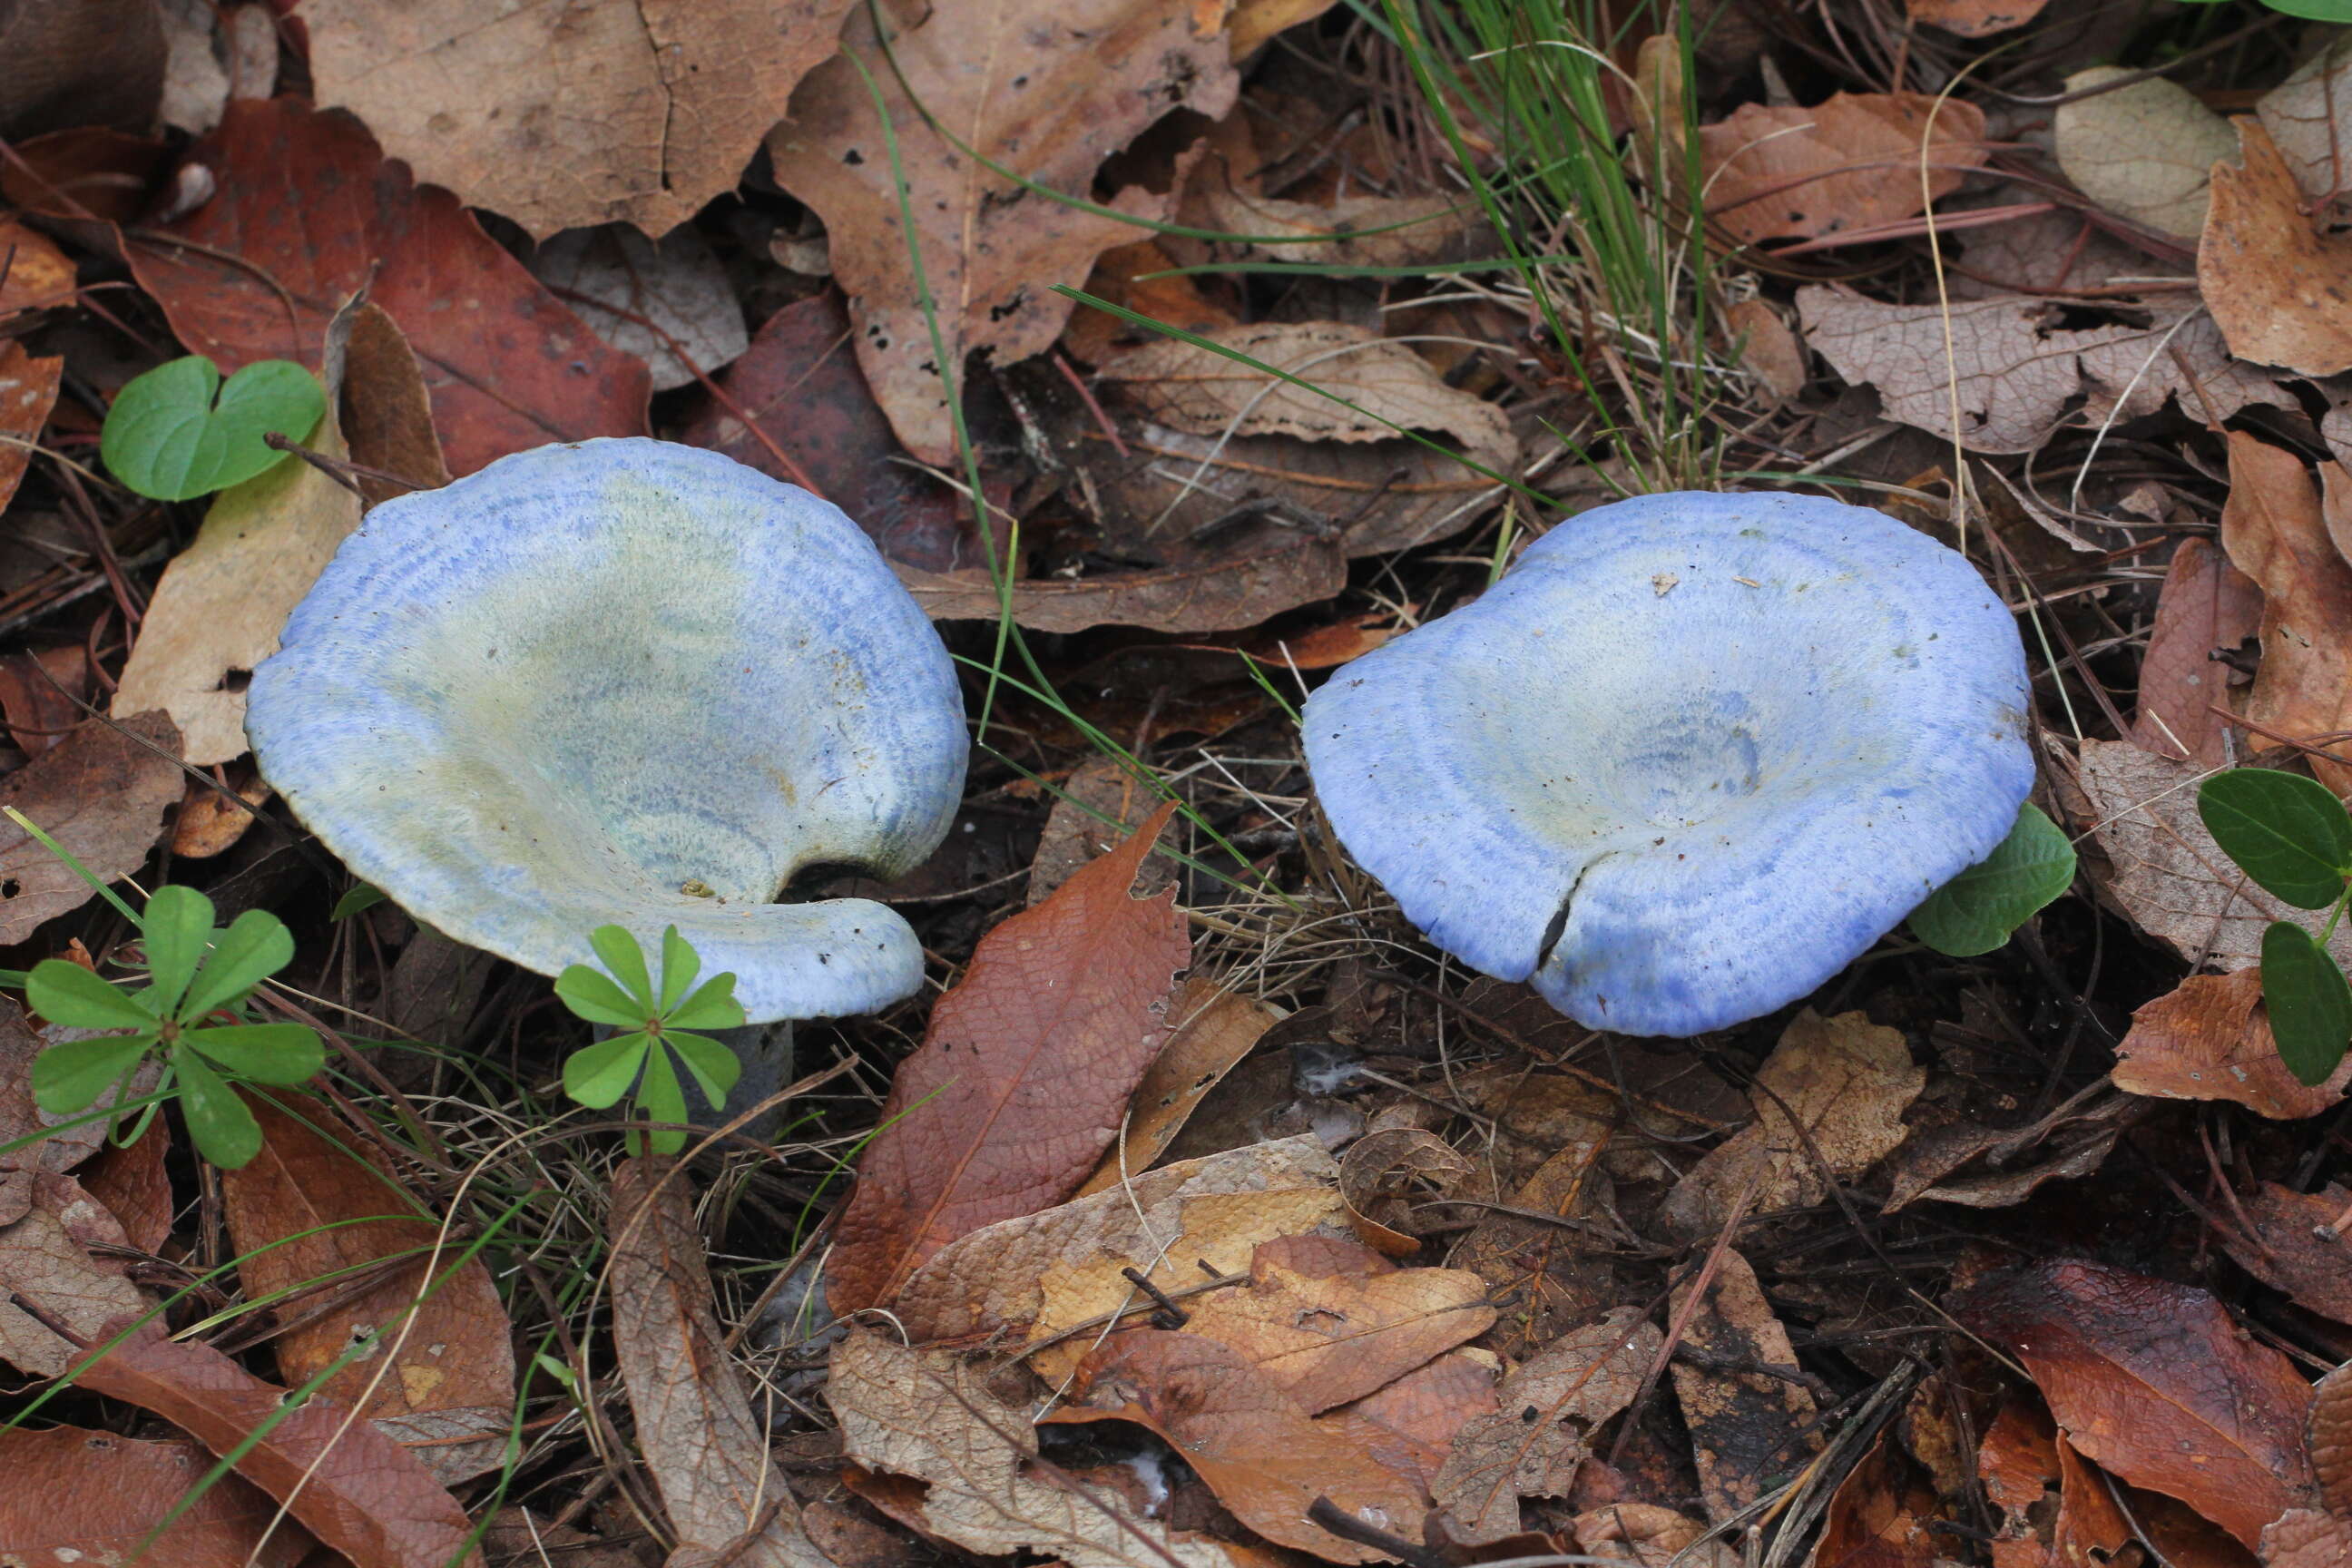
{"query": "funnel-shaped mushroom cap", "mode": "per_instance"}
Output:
(1688, 760)
(629, 683)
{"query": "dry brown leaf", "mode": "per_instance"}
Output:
(1879, 1516)
(45, 1258)
(1023, 1072)
(2178, 356)
(1214, 1030)
(2278, 287)
(1828, 1105)
(564, 117)
(2287, 1240)
(1097, 808)
(2210, 1038)
(2327, 1428)
(1405, 231)
(695, 1427)
(1035, 1277)
(100, 794)
(1248, 1439)
(1328, 1322)
(1410, 1426)
(1545, 1412)
(2156, 1382)
(1386, 1174)
(613, 275)
(61, 1151)
(41, 693)
(1549, 1271)
(2167, 873)
(1132, 276)
(135, 1187)
(75, 1496)
(1768, 348)
(2207, 607)
(28, 390)
(2023, 1464)
(1852, 163)
(1650, 1536)
(386, 410)
(2306, 1538)
(210, 823)
(34, 273)
(2276, 533)
(1973, 18)
(2309, 117)
(2145, 152)
(1746, 1426)
(2017, 374)
(318, 1203)
(929, 1417)
(1224, 594)
(1050, 86)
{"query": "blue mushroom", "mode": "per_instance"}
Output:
(624, 682)
(1690, 758)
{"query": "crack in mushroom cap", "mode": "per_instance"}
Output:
(1690, 758)
(624, 682)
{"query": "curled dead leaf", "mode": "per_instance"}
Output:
(2210, 1038)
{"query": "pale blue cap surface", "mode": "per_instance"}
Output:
(1690, 758)
(622, 682)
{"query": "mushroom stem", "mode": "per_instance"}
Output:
(766, 1052)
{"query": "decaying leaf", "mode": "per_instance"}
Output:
(1849, 164)
(131, 1182)
(1649, 1536)
(1828, 1105)
(2287, 1240)
(1545, 1411)
(2145, 152)
(2327, 1425)
(2207, 607)
(1247, 1439)
(2273, 528)
(1223, 595)
(1032, 1278)
(212, 821)
(1022, 1077)
(1974, 18)
(1552, 1273)
(1348, 231)
(2178, 356)
(1878, 1517)
(2278, 285)
(1386, 1173)
(45, 1258)
(2155, 1382)
(100, 794)
(1049, 87)
(58, 1152)
(1098, 807)
(1410, 1426)
(671, 304)
(706, 1451)
(2023, 1462)
(1214, 1030)
(1746, 1426)
(929, 1416)
(28, 390)
(2309, 117)
(1770, 349)
(561, 118)
(34, 273)
(80, 1496)
(2306, 1538)
(2210, 1039)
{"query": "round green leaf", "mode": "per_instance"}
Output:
(2310, 1004)
(178, 431)
(1976, 911)
(2290, 835)
(600, 1074)
(2336, 11)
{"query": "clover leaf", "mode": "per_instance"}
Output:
(657, 1031)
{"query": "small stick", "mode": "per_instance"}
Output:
(1170, 1315)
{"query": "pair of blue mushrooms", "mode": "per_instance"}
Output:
(1692, 755)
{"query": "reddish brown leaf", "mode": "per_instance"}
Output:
(2290, 1244)
(305, 204)
(2207, 606)
(37, 693)
(2025, 1467)
(2210, 1039)
(1252, 1443)
(2306, 1538)
(1019, 1084)
(68, 173)
(74, 1495)
(28, 389)
(20, 1117)
(2328, 1429)
(2155, 1382)
(45, 1258)
(1214, 1030)
(1878, 1516)
(357, 1490)
(1854, 161)
(1097, 808)
(2275, 532)
(1410, 1426)
(132, 1185)
(101, 795)
(2278, 283)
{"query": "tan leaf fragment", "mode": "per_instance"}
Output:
(564, 116)
(1785, 173)
(1386, 1173)
(2146, 152)
(1215, 1030)
(1649, 1536)
(1974, 18)
(1746, 1426)
(2210, 1039)
(1403, 231)
(2278, 284)
(2206, 606)
(38, 274)
(2275, 526)
(1770, 349)
(1545, 1412)
(613, 275)
(45, 1258)
(100, 794)
(2309, 117)
(2179, 355)
(929, 1416)
(1844, 1083)
(1051, 88)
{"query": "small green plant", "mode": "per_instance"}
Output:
(2294, 837)
(179, 431)
(196, 975)
(657, 1025)
(1976, 911)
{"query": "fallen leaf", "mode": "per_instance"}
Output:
(58, 1152)
(1973, 18)
(1224, 594)
(66, 173)
(517, 1540)
(2210, 1038)
(1747, 1427)
(2278, 287)
(1017, 1089)
(1132, 276)
(1033, 1279)
(1215, 1030)
(210, 823)
(356, 1490)
(2273, 527)
(306, 206)
(1879, 1516)
(28, 390)
(2328, 1428)
(2287, 1240)
(1329, 1322)
(2156, 1382)
(2145, 152)
(386, 410)
(564, 118)
(1098, 807)
(318, 1202)
(1651, 1537)
(2309, 117)
(1386, 1175)
(2025, 1467)
(1550, 1271)
(800, 383)
(79, 62)
(2078, 1139)
(2306, 1538)
(1050, 86)
(2178, 356)
(2016, 372)
(929, 1417)
(2063, 251)
(1359, 230)
(41, 693)
(1409, 1425)
(695, 1425)
(34, 273)
(101, 794)
(1545, 1413)
(45, 1258)
(2206, 606)
(76, 1495)
(1768, 348)
(1785, 173)
(1832, 1094)
(612, 275)
(2164, 870)
(130, 1183)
